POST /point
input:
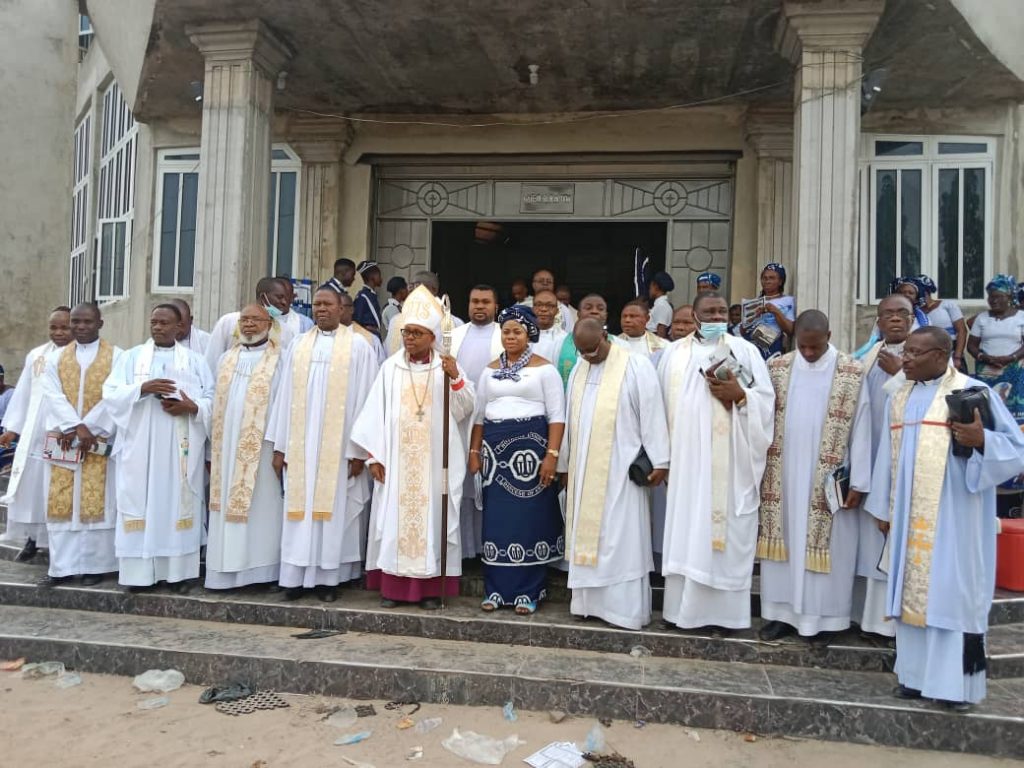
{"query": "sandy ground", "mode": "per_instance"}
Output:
(97, 724)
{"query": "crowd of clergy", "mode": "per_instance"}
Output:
(307, 453)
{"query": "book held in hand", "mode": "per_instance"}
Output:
(52, 450)
(837, 488)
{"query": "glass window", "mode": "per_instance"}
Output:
(116, 199)
(930, 213)
(961, 148)
(898, 148)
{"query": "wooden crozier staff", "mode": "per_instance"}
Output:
(446, 346)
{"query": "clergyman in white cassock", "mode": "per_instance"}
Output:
(81, 509)
(160, 395)
(244, 539)
(807, 544)
(325, 378)
(940, 513)
(883, 375)
(614, 410)
(474, 346)
(272, 294)
(24, 423)
(400, 434)
(719, 454)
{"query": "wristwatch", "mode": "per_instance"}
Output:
(553, 452)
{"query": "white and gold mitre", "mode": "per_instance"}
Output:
(422, 308)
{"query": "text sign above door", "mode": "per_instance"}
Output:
(547, 198)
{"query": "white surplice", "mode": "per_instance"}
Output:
(815, 602)
(197, 340)
(225, 335)
(238, 554)
(617, 589)
(377, 434)
(78, 548)
(150, 485)
(702, 586)
(870, 583)
(549, 345)
(474, 347)
(322, 552)
(26, 490)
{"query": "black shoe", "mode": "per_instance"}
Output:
(327, 594)
(293, 593)
(48, 582)
(386, 603)
(430, 603)
(957, 706)
(181, 587)
(822, 639)
(27, 552)
(902, 692)
(774, 630)
(91, 579)
(141, 590)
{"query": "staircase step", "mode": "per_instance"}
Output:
(551, 627)
(765, 699)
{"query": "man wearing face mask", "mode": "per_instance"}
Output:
(244, 546)
(720, 429)
(272, 295)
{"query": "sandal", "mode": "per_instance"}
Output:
(489, 605)
(526, 608)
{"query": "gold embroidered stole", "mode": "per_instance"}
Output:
(930, 459)
(369, 337)
(832, 450)
(721, 439)
(332, 433)
(654, 342)
(26, 438)
(596, 473)
(60, 501)
(872, 355)
(414, 433)
(250, 434)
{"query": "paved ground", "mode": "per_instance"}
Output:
(97, 724)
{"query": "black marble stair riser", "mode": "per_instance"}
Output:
(770, 716)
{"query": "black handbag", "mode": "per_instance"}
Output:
(641, 468)
(962, 403)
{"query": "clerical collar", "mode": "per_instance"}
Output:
(89, 344)
(257, 345)
(163, 348)
(326, 333)
(930, 382)
(423, 360)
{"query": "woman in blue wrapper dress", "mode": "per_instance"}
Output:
(777, 315)
(517, 426)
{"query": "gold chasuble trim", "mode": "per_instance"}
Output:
(721, 440)
(832, 450)
(60, 501)
(597, 472)
(332, 431)
(930, 459)
(414, 433)
(250, 435)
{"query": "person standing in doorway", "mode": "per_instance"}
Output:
(398, 289)
(367, 307)
(660, 320)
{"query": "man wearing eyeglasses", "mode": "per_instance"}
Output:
(883, 374)
(939, 510)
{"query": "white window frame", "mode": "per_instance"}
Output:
(166, 165)
(929, 162)
(292, 165)
(80, 210)
(115, 200)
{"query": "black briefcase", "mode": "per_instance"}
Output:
(962, 403)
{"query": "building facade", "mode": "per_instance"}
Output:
(850, 140)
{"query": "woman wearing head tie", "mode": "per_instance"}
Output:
(945, 314)
(775, 319)
(517, 428)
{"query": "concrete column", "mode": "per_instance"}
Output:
(319, 208)
(770, 133)
(826, 39)
(242, 63)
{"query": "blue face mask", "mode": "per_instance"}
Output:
(273, 311)
(712, 331)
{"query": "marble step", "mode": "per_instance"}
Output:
(763, 699)
(552, 627)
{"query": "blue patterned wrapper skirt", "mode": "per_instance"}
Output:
(1008, 383)
(522, 521)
